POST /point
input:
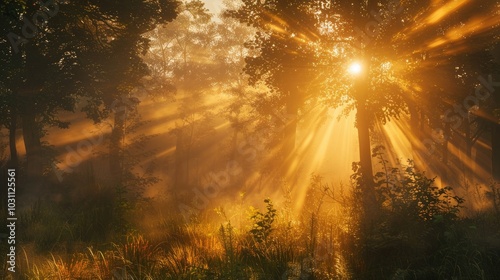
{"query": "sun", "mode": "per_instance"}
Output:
(355, 68)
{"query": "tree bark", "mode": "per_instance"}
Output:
(33, 146)
(32, 131)
(363, 123)
(363, 126)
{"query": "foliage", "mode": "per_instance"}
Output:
(412, 246)
(55, 226)
(262, 222)
(84, 53)
(419, 230)
(232, 265)
(137, 256)
(410, 194)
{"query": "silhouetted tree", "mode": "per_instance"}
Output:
(182, 55)
(385, 36)
(71, 50)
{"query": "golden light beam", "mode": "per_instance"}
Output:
(458, 34)
(462, 37)
(326, 154)
(444, 11)
(434, 17)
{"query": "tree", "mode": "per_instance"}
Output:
(448, 103)
(72, 50)
(37, 73)
(229, 54)
(181, 54)
(124, 68)
(284, 63)
(331, 38)
(299, 41)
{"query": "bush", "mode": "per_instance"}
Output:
(419, 234)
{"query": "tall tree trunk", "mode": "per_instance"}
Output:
(188, 155)
(365, 187)
(362, 89)
(363, 126)
(416, 134)
(180, 154)
(414, 120)
(32, 131)
(33, 146)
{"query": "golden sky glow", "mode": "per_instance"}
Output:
(355, 68)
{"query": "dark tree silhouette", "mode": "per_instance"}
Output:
(71, 50)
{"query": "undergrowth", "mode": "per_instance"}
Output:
(419, 233)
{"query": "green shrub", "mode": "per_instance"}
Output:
(262, 222)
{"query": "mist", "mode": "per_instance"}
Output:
(250, 140)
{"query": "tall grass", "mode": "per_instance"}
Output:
(419, 234)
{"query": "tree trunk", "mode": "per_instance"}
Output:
(415, 141)
(363, 126)
(180, 154)
(414, 120)
(32, 131)
(188, 155)
(33, 146)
